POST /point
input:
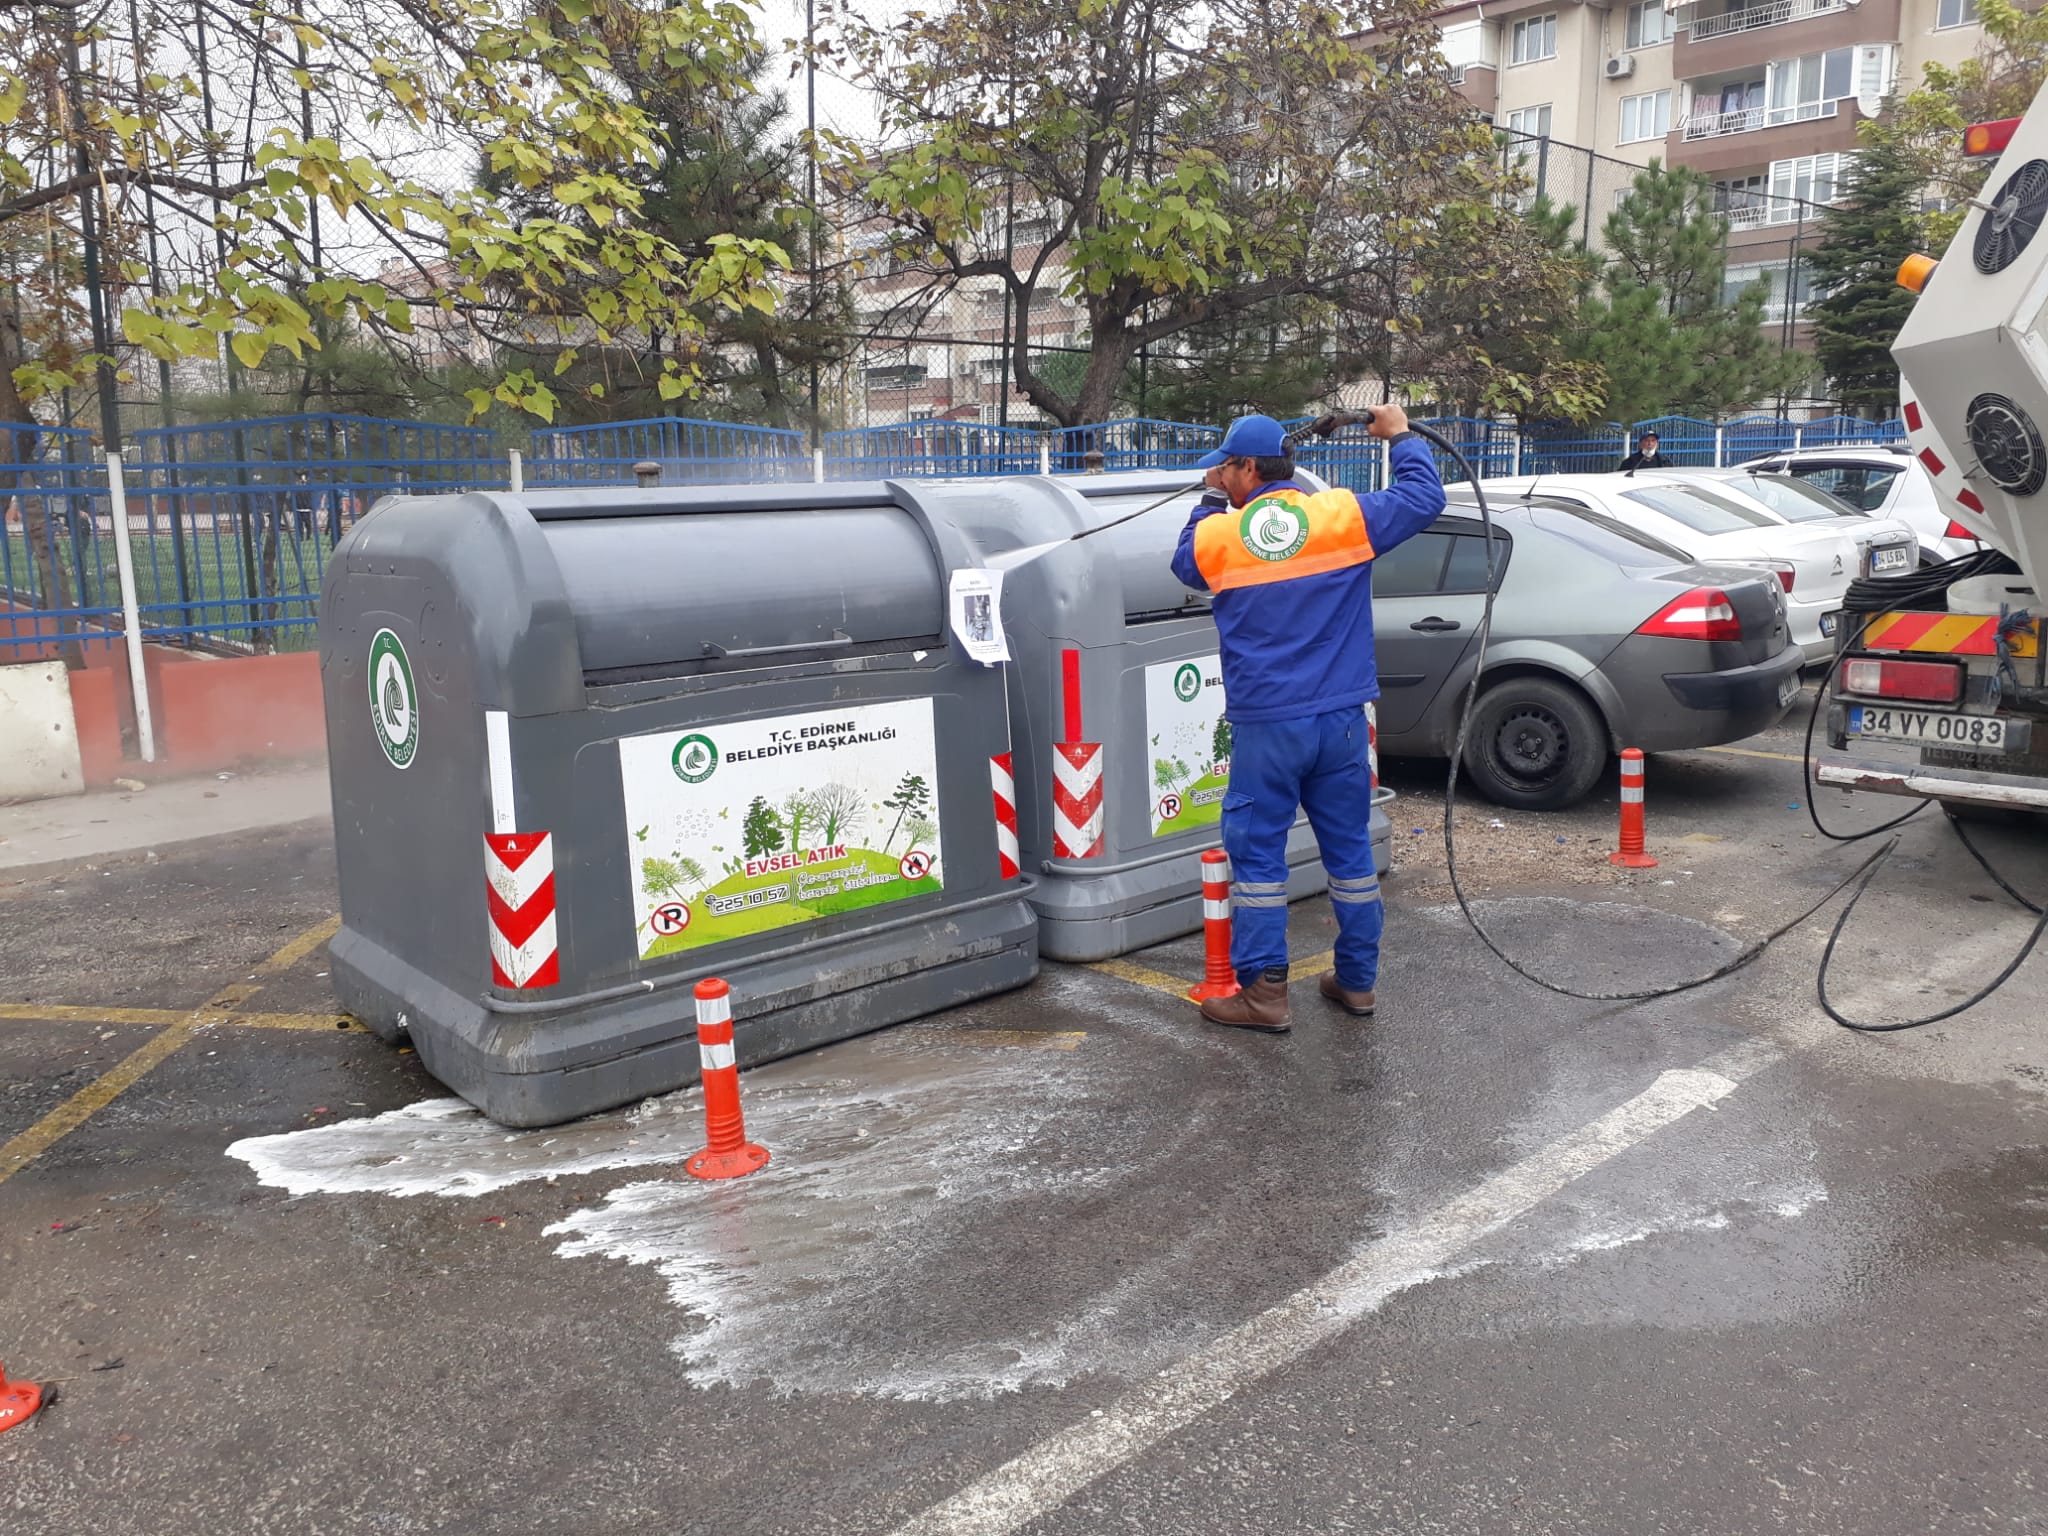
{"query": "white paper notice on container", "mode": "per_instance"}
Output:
(975, 600)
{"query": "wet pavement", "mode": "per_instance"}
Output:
(1067, 1260)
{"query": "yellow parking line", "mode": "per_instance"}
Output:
(1143, 976)
(64, 1013)
(301, 947)
(1776, 757)
(17, 1153)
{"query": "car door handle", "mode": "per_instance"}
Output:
(1436, 626)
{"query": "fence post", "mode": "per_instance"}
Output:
(1516, 472)
(131, 617)
(515, 473)
(1386, 463)
(818, 466)
(1798, 434)
(1720, 446)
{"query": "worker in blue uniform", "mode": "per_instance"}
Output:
(1291, 574)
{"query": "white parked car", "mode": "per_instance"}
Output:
(1813, 564)
(1887, 482)
(1886, 545)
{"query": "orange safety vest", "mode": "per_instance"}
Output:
(1279, 535)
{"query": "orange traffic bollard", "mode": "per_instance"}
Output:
(18, 1401)
(1631, 855)
(1218, 979)
(727, 1153)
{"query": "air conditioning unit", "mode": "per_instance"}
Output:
(1621, 66)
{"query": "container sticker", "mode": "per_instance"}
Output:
(761, 824)
(394, 702)
(1189, 748)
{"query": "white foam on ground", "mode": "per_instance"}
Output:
(443, 1147)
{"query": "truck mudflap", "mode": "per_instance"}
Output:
(1999, 790)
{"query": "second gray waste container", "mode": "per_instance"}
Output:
(589, 746)
(1116, 711)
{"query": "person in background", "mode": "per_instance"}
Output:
(1646, 455)
(1291, 571)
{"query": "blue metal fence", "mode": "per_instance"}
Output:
(1132, 443)
(232, 522)
(930, 447)
(688, 452)
(59, 586)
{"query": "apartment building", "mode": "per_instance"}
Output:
(1763, 98)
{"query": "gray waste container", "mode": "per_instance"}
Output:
(591, 745)
(1116, 712)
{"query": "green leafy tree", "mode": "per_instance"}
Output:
(1871, 227)
(921, 830)
(912, 797)
(1219, 744)
(1162, 773)
(259, 205)
(796, 809)
(661, 877)
(1192, 163)
(762, 831)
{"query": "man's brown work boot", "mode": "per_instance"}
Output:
(1358, 1004)
(1261, 1006)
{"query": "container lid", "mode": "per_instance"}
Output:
(659, 589)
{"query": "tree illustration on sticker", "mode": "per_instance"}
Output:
(839, 810)
(1221, 741)
(922, 830)
(797, 808)
(762, 831)
(913, 797)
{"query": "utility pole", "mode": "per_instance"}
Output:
(89, 234)
(811, 194)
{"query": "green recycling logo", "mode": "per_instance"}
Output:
(1187, 683)
(695, 758)
(1273, 529)
(394, 701)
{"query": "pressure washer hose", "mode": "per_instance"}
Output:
(1860, 877)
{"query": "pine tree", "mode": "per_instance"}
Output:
(762, 832)
(1872, 226)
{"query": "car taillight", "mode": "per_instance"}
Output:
(1956, 530)
(1925, 682)
(1786, 575)
(1704, 613)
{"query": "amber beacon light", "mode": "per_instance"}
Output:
(1989, 138)
(1915, 270)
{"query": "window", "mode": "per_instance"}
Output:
(1799, 187)
(1645, 117)
(1798, 90)
(1601, 535)
(1694, 509)
(1862, 486)
(1437, 561)
(1534, 38)
(1650, 24)
(1410, 568)
(1465, 45)
(1530, 122)
(1791, 286)
(1792, 499)
(1955, 13)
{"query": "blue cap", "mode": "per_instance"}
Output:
(1249, 437)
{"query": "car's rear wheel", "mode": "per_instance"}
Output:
(1535, 745)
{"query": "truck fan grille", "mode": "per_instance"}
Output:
(2016, 215)
(2007, 445)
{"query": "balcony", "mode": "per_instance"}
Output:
(1716, 125)
(1750, 18)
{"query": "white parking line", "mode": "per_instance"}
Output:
(1056, 1469)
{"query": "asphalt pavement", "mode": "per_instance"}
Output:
(1068, 1260)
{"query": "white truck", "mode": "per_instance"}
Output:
(1939, 689)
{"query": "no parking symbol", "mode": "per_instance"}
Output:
(670, 918)
(1169, 807)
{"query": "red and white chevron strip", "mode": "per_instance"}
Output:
(1004, 782)
(1077, 800)
(519, 873)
